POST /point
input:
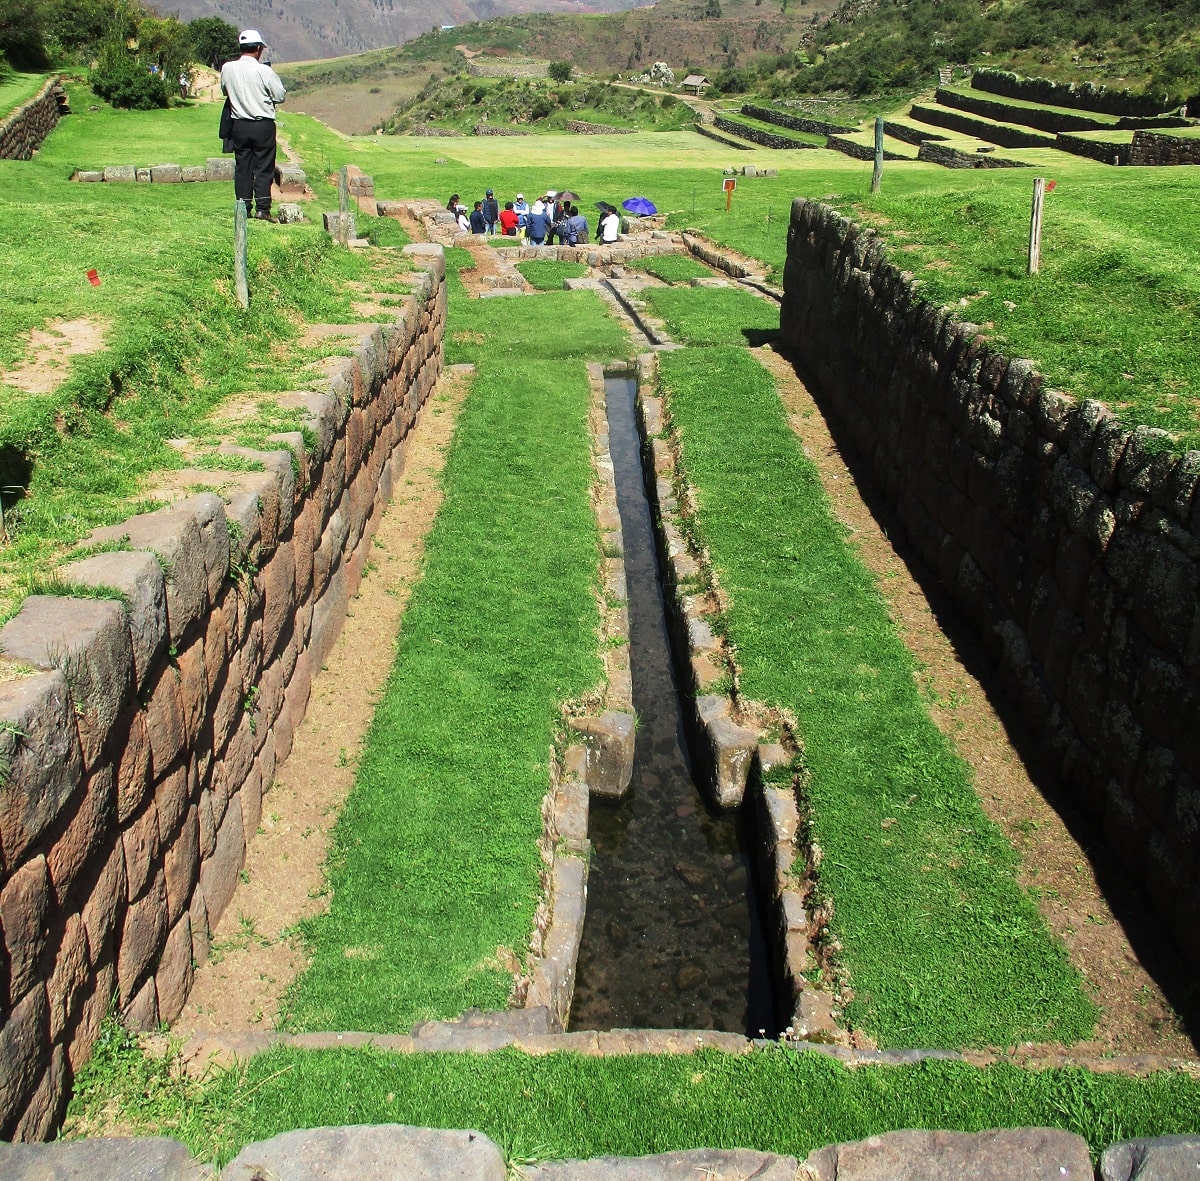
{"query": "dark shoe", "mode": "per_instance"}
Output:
(265, 215)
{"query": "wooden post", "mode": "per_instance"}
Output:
(344, 205)
(241, 272)
(877, 175)
(1035, 225)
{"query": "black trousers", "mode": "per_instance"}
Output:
(253, 161)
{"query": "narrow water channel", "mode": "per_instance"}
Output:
(673, 937)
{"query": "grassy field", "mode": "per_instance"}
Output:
(1104, 319)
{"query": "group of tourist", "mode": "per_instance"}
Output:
(547, 221)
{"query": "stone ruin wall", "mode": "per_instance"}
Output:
(23, 131)
(135, 751)
(1070, 543)
(1152, 148)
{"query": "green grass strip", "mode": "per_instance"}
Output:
(549, 275)
(672, 268)
(713, 315)
(940, 945)
(568, 1105)
(434, 867)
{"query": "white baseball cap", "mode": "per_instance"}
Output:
(249, 37)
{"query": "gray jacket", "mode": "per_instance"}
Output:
(253, 90)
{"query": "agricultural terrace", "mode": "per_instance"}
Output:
(429, 883)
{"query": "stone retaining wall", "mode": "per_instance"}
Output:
(812, 126)
(1070, 543)
(849, 147)
(1105, 151)
(25, 129)
(765, 139)
(708, 133)
(497, 129)
(909, 135)
(291, 179)
(1152, 148)
(949, 157)
(579, 127)
(1039, 117)
(138, 735)
(1083, 95)
(993, 133)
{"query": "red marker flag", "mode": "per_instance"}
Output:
(1050, 185)
(93, 277)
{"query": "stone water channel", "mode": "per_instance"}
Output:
(674, 935)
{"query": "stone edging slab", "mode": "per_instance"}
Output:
(433, 1154)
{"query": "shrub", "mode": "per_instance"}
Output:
(124, 81)
(560, 71)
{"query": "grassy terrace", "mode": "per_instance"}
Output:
(1020, 104)
(940, 945)
(16, 88)
(176, 347)
(433, 868)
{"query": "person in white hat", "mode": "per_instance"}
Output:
(253, 90)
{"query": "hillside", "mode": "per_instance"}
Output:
(358, 93)
(304, 30)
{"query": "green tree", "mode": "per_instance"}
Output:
(22, 33)
(123, 80)
(212, 41)
(560, 71)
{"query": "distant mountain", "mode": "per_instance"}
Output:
(304, 30)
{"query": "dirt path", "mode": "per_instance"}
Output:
(255, 952)
(1063, 863)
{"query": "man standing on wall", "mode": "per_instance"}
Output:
(253, 90)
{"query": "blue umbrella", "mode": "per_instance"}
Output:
(642, 206)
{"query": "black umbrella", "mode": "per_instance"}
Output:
(567, 195)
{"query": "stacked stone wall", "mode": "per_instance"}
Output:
(1154, 149)
(708, 133)
(579, 127)
(1071, 543)
(1039, 117)
(1083, 95)
(795, 123)
(909, 135)
(1105, 151)
(138, 735)
(25, 129)
(949, 157)
(857, 151)
(993, 133)
(756, 135)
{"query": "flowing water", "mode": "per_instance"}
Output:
(673, 938)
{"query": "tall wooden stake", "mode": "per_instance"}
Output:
(877, 175)
(241, 271)
(344, 205)
(1035, 225)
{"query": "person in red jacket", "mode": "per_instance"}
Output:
(508, 220)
